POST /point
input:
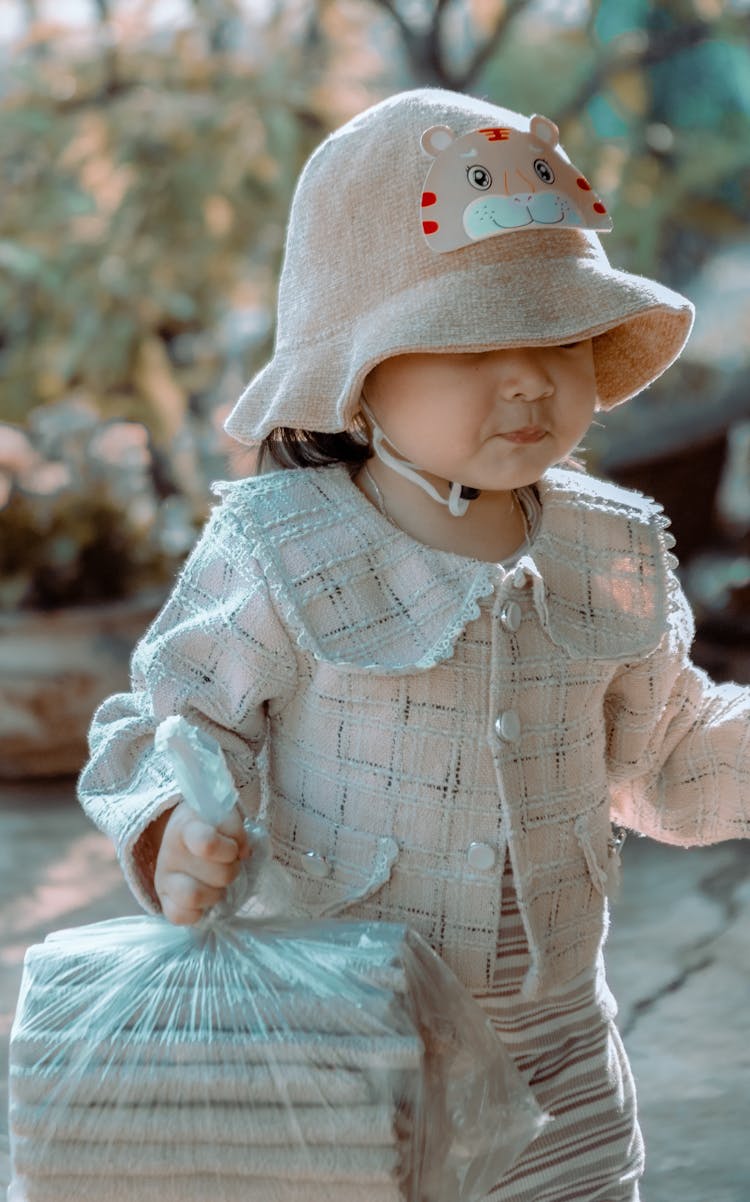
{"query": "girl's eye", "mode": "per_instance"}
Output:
(544, 171)
(479, 177)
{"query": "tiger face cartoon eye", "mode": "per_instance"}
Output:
(479, 177)
(544, 171)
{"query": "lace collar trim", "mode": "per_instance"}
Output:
(359, 592)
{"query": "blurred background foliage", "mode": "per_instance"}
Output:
(148, 152)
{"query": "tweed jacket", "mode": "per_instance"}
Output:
(404, 717)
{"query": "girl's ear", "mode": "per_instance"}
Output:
(437, 138)
(243, 460)
(544, 131)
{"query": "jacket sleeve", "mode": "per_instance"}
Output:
(216, 654)
(678, 744)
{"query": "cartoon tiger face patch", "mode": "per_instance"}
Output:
(499, 180)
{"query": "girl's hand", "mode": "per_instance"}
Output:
(196, 862)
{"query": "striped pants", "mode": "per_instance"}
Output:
(569, 1050)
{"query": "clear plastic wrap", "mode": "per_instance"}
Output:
(272, 1059)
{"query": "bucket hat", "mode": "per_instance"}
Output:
(435, 221)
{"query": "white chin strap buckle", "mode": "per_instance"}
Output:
(459, 495)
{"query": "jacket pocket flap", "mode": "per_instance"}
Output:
(334, 867)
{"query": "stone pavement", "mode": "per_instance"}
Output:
(679, 963)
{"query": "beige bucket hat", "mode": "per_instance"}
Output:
(391, 249)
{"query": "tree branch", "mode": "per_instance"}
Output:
(659, 48)
(485, 51)
(425, 50)
(406, 30)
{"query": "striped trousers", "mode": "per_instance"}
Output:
(568, 1049)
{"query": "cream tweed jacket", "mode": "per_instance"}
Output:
(402, 717)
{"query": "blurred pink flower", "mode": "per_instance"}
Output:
(46, 479)
(123, 444)
(16, 451)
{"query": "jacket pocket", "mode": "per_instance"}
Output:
(333, 868)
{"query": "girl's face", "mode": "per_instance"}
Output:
(491, 420)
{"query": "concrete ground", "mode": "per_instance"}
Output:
(679, 962)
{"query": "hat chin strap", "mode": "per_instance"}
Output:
(459, 495)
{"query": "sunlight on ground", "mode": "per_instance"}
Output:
(87, 871)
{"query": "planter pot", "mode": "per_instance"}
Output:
(55, 668)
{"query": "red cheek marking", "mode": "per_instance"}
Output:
(583, 183)
(430, 227)
(428, 198)
(599, 207)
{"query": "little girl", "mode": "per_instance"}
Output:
(460, 662)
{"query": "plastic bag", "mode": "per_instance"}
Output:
(262, 1060)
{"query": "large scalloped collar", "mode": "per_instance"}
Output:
(357, 591)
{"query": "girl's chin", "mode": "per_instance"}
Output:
(519, 469)
(520, 465)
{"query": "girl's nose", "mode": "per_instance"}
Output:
(523, 375)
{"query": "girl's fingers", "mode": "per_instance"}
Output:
(184, 896)
(196, 863)
(210, 843)
(234, 827)
(178, 915)
(216, 875)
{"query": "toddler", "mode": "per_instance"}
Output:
(446, 666)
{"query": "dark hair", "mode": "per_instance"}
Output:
(290, 447)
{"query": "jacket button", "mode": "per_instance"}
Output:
(481, 856)
(315, 864)
(510, 615)
(508, 726)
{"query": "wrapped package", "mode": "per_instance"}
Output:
(262, 1059)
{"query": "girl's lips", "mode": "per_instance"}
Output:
(526, 434)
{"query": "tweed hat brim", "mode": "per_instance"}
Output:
(373, 291)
